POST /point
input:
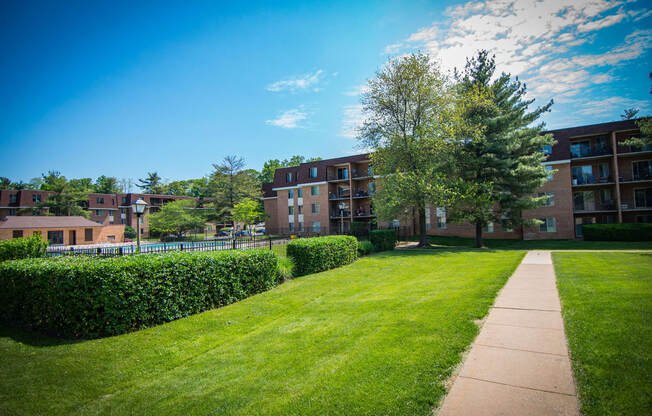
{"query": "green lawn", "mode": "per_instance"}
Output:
(380, 336)
(607, 308)
(504, 244)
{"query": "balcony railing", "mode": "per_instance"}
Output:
(591, 180)
(362, 194)
(340, 213)
(591, 152)
(340, 195)
(640, 177)
(631, 204)
(634, 149)
(592, 206)
(336, 177)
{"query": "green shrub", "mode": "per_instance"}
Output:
(23, 248)
(360, 230)
(383, 239)
(312, 255)
(85, 297)
(285, 269)
(617, 232)
(130, 232)
(365, 247)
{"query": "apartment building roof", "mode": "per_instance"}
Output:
(561, 151)
(19, 222)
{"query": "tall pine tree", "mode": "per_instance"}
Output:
(499, 148)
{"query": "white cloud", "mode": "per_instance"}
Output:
(612, 105)
(352, 119)
(391, 49)
(307, 82)
(534, 39)
(289, 119)
(357, 90)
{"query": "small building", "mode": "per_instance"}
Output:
(61, 230)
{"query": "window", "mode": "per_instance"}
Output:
(548, 225)
(290, 193)
(313, 172)
(644, 218)
(291, 210)
(603, 170)
(13, 198)
(123, 210)
(428, 226)
(36, 198)
(300, 228)
(643, 198)
(642, 170)
(110, 237)
(124, 200)
(300, 209)
(141, 220)
(142, 231)
(88, 234)
(370, 171)
(584, 201)
(12, 211)
(605, 196)
(547, 149)
(55, 237)
(314, 208)
(396, 223)
(579, 149)
(300, 193)
(549, 170)
(100, 200)
(291, 226)
(314, 190)
(507, 227)
(550, 201)
(288, 177)
(441, 218)
(17, 233)
(342, 173)
(99, 213)
(489, 228)
(316, 227)
(372, 188)
(582, 174)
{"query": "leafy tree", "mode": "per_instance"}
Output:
(106, 185)
(629, 113)
(176, 217)
(645, 126)
(130, 232)
(249, 212)
(68, 197)
(499, 154)
(405, 109)
(5, 183)
(152, 184)
(230, 183)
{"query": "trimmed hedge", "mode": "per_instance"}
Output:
(313, 255)
(23, 248)
(617, 232)
(383, 239)
(85, 297)
(365, 247)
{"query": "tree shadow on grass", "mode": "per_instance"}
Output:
(33, 339)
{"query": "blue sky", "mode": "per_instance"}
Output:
(120, 89)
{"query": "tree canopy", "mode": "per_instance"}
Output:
(176, 217)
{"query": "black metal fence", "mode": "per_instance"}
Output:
(224, 244)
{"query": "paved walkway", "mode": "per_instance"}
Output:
(519, 363)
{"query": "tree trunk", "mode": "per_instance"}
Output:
(478, 234)
(423, 242)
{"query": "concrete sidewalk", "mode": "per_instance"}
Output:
(519, 363)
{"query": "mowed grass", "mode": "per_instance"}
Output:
(607, 308)
(380, 336)
(506, 244)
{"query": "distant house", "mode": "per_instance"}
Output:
(60, 230)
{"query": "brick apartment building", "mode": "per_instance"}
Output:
(106, 209)
(595, 178)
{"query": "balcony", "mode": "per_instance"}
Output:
(339, 196)
(638, 205)
(586, 152)
(638, 178)
(590, 207)
(361, 194)
(340, 214)
(338, 178)
(633, 150)
(590, 180)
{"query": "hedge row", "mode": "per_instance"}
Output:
(82, 297)
(383, 239)
(617, 232)
(23, 248)
(313, 255)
